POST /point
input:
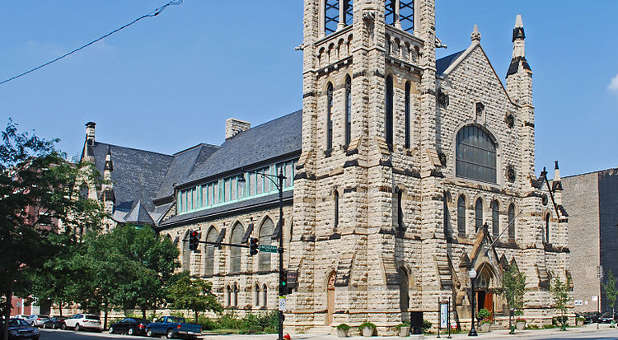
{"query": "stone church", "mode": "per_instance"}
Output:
(403, 173)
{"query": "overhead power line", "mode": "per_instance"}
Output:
(149, 15)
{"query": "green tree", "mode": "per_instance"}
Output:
(610, 290)
(37, 187)
(560, 294)
(151, 261)
(193, 294)
(514, 288)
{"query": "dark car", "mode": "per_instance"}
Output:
(129, 326)
(606, 317)
(55, 322)
(20, 329)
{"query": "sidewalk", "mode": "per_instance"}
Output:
(527, 334)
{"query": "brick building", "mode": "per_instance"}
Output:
(592, 202)
(404, 172)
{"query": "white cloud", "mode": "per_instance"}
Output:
(613, 85)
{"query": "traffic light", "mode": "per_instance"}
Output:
(253, 246)
(283, 282)
(194, 240)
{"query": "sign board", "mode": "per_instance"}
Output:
(267, 249)
(578, 302)
(444, 315)
(282, 303)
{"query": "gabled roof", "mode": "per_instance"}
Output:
(138, 215)
(137, 174)
(443, 63)
(182, 165)
(276, 138)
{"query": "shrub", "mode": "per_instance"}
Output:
(344, 327)
(549, 326)
(403, 324)
(230, 321)
(559, 320)
(366, 324)
(426, 325)
(532, 327)
(483, 314)
(206, 323)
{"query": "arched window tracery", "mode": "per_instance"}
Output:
(209, 252)
(495, 218)
(348, 110)
(400, 13)
(407, 115)
(388, 119)
(476, 154)
(478, 214)
(511, 219)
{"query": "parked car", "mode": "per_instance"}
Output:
(83, 321)
(606, 317)
(54, 322)
(129, 326)
(38, 320)
(20, 329)
(22, 317)
(173, 327)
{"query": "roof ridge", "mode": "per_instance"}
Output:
(193, 147)
(136, 149)
(268, 122)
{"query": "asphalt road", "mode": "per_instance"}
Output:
(57, 334)
(47, 334)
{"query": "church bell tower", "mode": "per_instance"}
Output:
(368, 137)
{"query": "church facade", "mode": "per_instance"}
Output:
(403, 173)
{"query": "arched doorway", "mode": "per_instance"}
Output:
(484, 290)
(330, 298)
(404, 295)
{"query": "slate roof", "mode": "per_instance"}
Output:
(137, 174)
(182, 165)
(273, 139)
(138, 215)
(443, 63)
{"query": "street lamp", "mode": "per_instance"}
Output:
(277, 180)
(472, 274)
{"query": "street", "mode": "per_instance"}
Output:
(603, 334)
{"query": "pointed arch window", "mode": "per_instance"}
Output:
(476, 154)
(265, 296)
(348, 110)
(478, 215)
(331, 16)
(446, 216)
(407, 115)
(266, 233)
(511, 218)
(547, 227)
(495, 218)
(461, 216)
(348, 12)
(236, 289)
(186, 253)
(400, 13)
(209, 252)
(329, 116)
(235, 252)
(336, 221)
(257, 295)
(388, 119)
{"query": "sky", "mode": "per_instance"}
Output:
(170, 82)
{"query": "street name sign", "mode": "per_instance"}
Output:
(268, 249)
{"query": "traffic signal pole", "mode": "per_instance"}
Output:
(280, 177)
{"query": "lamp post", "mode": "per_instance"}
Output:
(277, 180)
(472, 274)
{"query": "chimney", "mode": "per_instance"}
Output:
(235, 126)
(90, 132)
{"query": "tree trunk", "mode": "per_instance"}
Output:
(7, 314)
(60, 308)
(196, 313)
(105, 317)
(143, 313)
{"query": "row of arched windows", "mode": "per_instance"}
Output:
(479, 220)
(260, 295)
(265, 234)
(347, 114)
(389, 108)
(340, 13)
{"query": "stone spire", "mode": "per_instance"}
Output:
(519, 38)
(476, 35)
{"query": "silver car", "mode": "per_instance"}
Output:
(38, 320)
